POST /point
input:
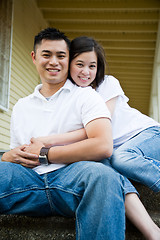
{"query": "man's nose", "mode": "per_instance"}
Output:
(53, 60)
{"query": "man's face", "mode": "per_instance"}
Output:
(51, 60)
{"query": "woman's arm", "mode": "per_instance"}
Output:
(63, 139)
(97, 146)
(74, 136)
(111, 104)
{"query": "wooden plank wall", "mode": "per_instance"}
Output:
(27, 21)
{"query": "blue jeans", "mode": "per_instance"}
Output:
(127, 185)
(90, 191)
(139, 158)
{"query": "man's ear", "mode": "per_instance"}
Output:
(33, 55)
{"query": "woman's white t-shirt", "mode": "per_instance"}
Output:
(126, 121)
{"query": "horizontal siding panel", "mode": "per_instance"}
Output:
(100, 14)
(99, 4)
(13, 101)
(24, 87)
(104, 26)
(27, 22)
(23, 75)
(5, 140)
(4, 146)
(4, 121)
(5, 130)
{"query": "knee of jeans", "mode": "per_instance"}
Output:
(102, 173)
(119, 160)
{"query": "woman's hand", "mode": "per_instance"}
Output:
(34, 147)
(47, 141)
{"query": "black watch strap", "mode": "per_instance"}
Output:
(43, 156)
(44, 151)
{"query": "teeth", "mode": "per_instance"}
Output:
(85, 79)
(53, 70)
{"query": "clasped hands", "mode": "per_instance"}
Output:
(26, 155)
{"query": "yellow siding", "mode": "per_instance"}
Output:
(27, 21)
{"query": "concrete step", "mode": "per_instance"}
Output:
(14, 227)
(150, 199)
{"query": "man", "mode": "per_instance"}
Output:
(66, 180)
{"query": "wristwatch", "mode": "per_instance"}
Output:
(43, 156)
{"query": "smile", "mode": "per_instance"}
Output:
(53, 70)
(84, 79)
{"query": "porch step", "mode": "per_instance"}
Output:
(150, 199)
(14, 227)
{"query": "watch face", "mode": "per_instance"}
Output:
(43, 160)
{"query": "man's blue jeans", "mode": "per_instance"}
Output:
(90, 191)
(139, 158)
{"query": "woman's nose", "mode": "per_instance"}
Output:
(85, 71)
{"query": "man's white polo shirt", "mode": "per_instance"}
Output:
(69, 109)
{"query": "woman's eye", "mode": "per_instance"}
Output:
(92, 66)
(80, 65)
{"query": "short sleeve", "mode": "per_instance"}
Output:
(93, 107)
(110, 88)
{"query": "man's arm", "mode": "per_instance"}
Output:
(97, 146)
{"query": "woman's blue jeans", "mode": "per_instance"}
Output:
(139, 158)
(90, 191)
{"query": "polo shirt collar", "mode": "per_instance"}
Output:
(67, 86)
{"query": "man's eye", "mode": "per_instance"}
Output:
(61, 56)
(46, 55)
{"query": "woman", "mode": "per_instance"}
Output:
(133, 132)
(87, 67)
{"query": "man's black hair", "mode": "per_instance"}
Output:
(50, 34)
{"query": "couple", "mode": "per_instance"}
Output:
(64, 173)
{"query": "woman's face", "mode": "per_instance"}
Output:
(83, 68)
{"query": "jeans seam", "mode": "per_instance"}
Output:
(20, 191)
(78, 228)
(66, 190)
(48, 194)
(154, 186)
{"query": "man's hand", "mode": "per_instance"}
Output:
(19, 156)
